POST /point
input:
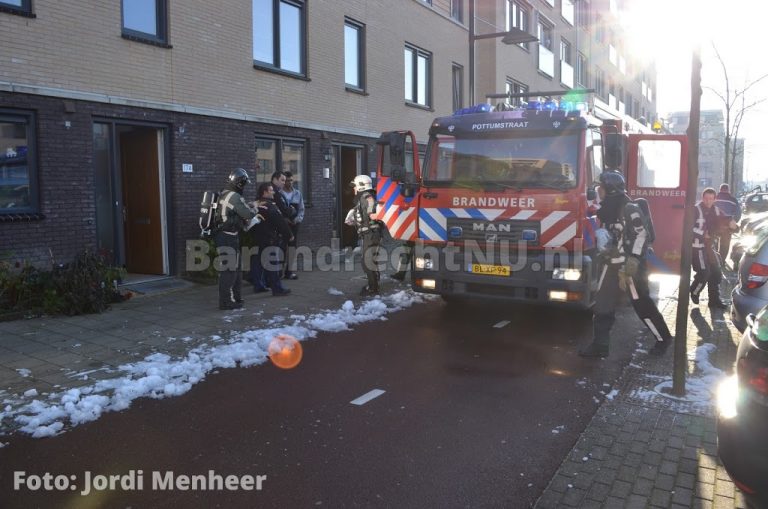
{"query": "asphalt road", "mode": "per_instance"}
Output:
(475, 413)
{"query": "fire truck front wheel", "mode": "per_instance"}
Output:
(451, 300)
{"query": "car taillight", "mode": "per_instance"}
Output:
(758, 275)
(753, 375)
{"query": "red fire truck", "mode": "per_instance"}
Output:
(501, 207)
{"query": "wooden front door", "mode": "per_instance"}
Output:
(142, 221)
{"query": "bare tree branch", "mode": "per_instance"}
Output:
(735, 106)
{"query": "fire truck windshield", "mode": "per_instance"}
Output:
(521, 162)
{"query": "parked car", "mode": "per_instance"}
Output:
(742, 413)
(757, 202)
(746, 239)
(751, 292)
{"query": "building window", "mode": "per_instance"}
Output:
(568, 11)
(600, 82)
(517, 16)
(458, 86)
(583, 15)
(565, 51)
(582, 71)
(279, 35)
(513, 87)
(599, 29)
(418, 72)
(354, 55)
(566, 67)
(550, 2)
(22, 7)
(145, 20)
(18, 170)
(544, 31)
(284, 155)
(457, 10)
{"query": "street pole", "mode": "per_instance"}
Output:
(681, 325)
(471, 52)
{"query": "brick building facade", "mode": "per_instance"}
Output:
(115, 119)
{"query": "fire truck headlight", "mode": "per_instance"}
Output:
(566, 274)
(423, 263)
(428, 284)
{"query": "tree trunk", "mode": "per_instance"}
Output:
(681, 324)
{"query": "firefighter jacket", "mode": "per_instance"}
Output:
(233, 210)
(365, 205)
(705, 222)
(629, 230)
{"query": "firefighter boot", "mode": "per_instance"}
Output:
(714, 297)
(399, 275)
(694, 297)
(601, 339)
(660, 348)
(372, 288)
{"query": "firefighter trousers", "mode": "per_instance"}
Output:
(371, 243)
(608, 293)
(230, 275)
(706, 265)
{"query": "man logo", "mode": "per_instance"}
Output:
(491, 237)
(451, 128)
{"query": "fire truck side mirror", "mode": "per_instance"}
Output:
(614, 151)
(397, 149)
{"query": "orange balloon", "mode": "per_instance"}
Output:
(285, 351)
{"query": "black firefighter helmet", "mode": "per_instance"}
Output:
(613, 183)
(238, 178)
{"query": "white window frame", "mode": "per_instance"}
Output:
(264, 26)
(413, 57)
(359, 28)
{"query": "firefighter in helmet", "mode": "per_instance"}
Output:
(623, 268)
(369, 229)
(234, 213)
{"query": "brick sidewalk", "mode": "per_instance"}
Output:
(643, 449)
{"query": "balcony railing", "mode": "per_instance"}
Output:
(566, 74)
(546, 61)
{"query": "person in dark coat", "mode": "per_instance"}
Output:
(267, 262)
(729, 206)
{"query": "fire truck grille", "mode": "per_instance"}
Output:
(504, 291)
(483, 231)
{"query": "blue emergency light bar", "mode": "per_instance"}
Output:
(477, 108)
(550, 107)
(531, 115)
